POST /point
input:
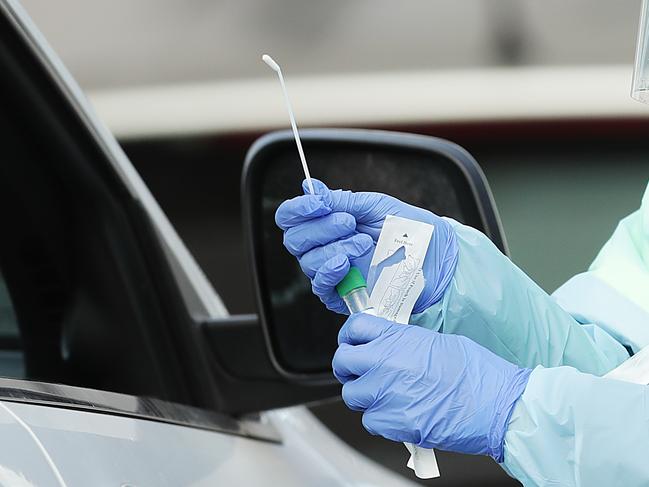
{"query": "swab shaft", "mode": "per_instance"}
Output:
(307, 174)
(271, 62)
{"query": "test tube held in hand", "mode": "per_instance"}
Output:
(353, 291)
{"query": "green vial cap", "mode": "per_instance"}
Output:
(353, 280)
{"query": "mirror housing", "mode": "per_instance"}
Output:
(425, 171)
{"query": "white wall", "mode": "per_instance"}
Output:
(135, 42)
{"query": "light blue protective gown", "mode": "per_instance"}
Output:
(573, 429)
(497, 305)
(570, 427)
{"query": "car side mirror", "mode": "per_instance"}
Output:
(424, 171)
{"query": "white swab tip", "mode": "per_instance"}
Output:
(271, 62)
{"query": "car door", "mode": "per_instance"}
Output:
(113, 345)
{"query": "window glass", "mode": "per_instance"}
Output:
(11, 356)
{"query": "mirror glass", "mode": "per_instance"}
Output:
(302, 331)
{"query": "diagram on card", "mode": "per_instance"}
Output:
(399, 287)
(396, 274)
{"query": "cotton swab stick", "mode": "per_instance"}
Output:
(275, 67)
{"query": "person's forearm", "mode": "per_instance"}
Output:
(494, 303)
(574, 429)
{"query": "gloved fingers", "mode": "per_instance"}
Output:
(333, 303)
(343, 200)
(369, 209)
(318, 231)
(330, 274)
(300, 209)
(359, 394)
(370, 423)
(325, 280)
(362, 328)
(352, 247)
(376, 423)
(364, 206)
(319, 187)
(350, 362)
(343, 379)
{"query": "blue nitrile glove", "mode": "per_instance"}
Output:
(331, 230)
(419, 386)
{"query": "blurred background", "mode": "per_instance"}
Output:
(537, 91)
(191, 68)
(124, 43)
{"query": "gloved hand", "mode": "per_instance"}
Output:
(472, 289)
(418, 386)
(331, 230)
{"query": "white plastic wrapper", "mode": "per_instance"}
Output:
(635, 369)
(396, 280)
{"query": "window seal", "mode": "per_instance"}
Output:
(135, 407)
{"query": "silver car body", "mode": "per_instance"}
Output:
(53, 446)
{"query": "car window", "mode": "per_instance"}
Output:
(11, 355)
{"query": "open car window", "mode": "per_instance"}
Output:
(8, 323)
(93, 301)
(11, 354)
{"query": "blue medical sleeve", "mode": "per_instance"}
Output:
(574, 429)
(613, 292)
(591, 300)
(497, 305)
